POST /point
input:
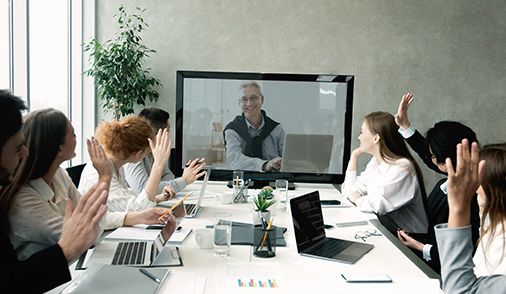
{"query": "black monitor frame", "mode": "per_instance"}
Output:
(225, 175)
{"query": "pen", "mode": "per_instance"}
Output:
(169, 210)
(150, 275)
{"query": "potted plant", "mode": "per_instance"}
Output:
(263, 201)
(117, 66)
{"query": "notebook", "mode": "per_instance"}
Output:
(134, 253)
(307, 153)
(310, 233)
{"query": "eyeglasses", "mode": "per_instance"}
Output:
(252, 99)
(366, 234)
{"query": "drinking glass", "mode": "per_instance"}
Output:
(281, 194)
(222, 234)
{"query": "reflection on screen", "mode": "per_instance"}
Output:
(300, 108)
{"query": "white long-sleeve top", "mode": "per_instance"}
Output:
(391, 188)
(121, 198)
(490, 256)
(36, 216)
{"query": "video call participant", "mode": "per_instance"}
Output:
(391, 184)
(438, 145)
(454, 238)
(253, 141)
(47, 268)
(137, 174)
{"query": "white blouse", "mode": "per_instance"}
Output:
(36, 217)
(493, 260)
(121, 198)
(391, 188)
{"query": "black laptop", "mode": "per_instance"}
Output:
(310, 234)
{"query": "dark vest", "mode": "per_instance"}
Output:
(253, 144)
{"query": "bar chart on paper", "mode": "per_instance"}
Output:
(256, 283)
(253, 278)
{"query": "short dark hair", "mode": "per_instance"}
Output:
(156, 117)
(10, 116)
(444, 136)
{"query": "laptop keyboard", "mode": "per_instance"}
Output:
(130, 253)
(189, 207)
(329, 247)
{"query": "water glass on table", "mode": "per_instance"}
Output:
(222, 234)
(281, 193)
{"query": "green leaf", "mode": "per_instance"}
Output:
(117, 66)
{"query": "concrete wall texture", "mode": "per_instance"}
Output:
(450, 54)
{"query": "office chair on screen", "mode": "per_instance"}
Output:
(75, 173)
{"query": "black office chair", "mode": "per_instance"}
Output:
(75, 173)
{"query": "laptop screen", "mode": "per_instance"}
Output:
(307, 219)
(307, 153)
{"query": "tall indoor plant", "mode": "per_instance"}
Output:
(117, 66)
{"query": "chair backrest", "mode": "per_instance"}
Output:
(75, 173)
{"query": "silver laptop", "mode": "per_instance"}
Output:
(307, 153)
(193, 208)
(135, 253)
(310, 233)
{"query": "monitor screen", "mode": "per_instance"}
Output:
(292, 126)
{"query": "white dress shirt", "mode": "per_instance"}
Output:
(37, 213)
(137, 175)
(391, 188)
(272, 147)
(490, 256)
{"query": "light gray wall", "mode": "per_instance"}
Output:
(451, 54)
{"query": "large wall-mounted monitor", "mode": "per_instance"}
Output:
(292, 126)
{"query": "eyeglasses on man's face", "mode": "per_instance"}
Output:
(252, 99)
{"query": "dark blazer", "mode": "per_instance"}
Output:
(438, 204)
(41, 272)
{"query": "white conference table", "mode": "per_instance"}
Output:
(302, 274)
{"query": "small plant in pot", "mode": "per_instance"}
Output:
(263, 201)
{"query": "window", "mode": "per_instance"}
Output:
(41, 59)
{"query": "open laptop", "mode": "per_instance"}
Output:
(193, 208)
(307, 153)
(310, 234)
(135, 253)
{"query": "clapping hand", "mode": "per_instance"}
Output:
(194, 170)
(160, 147)
(99, 159)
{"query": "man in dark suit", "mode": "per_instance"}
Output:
(48, 268)
(438, 145)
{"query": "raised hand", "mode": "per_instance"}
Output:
(81, 225)
(463, 181)
(99, 160)
(161, 147)
(194, 170)
(401, 118)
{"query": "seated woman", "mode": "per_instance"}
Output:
(438, 145)
(129, 141)
(391, 183)
(490, 256)
(38, 209)
(454, 238)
